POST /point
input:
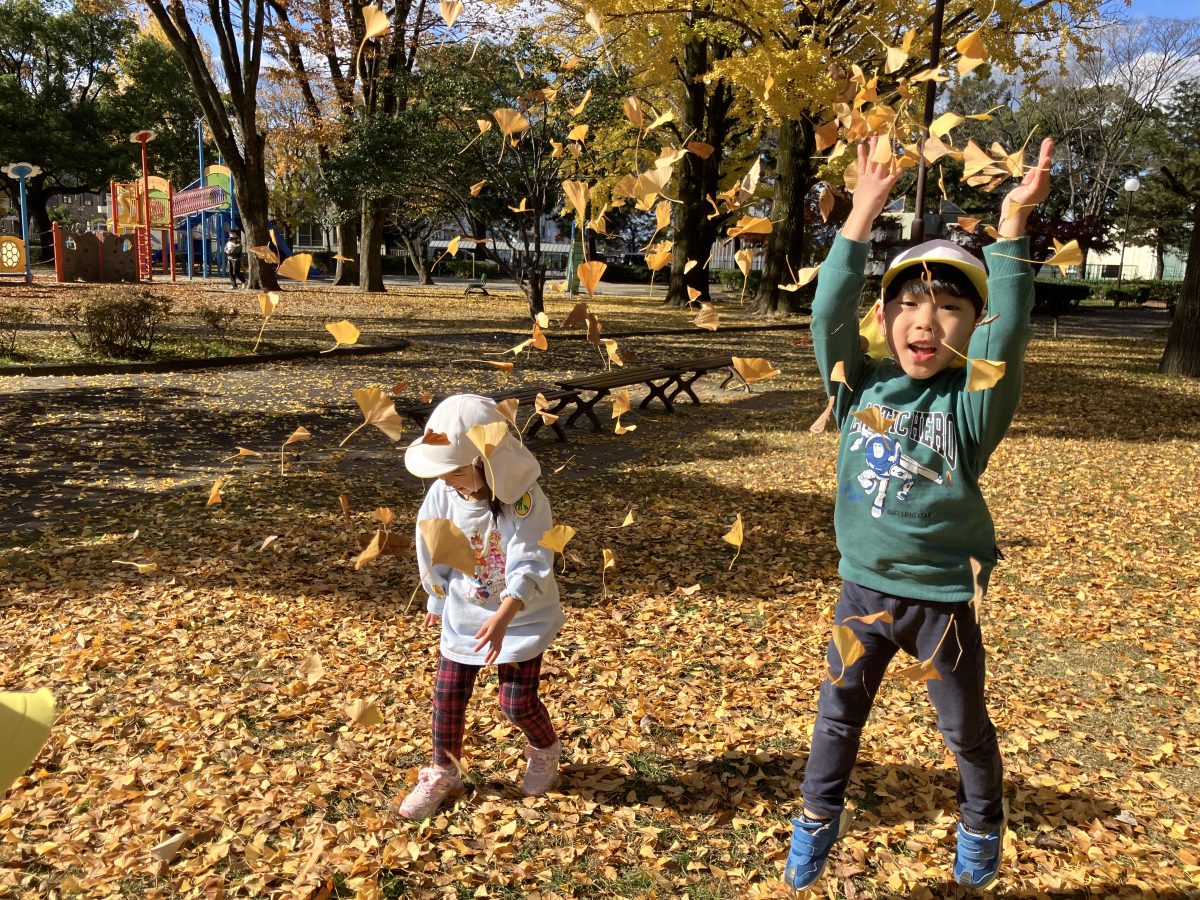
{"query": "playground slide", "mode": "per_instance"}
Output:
(282, 248)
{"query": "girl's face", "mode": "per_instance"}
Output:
(468, 481)
(918, 327)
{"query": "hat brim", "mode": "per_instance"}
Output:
(26, 719)
(978, 277)
(425, 460)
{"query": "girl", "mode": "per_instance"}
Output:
(506, 613)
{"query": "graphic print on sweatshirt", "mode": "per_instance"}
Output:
(885, 459)
(489, 568)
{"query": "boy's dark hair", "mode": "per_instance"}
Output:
(941, 279)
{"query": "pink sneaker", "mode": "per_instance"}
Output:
(541, 772)
(434, 785)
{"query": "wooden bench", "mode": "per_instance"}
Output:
(479, 286)
(664, 382)
(558, 399)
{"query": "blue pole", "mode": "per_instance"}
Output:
(203, 217)
(25, 233)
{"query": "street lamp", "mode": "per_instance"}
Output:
(23, 171)
(1131, 188)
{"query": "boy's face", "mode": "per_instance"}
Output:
(917, 324)
(467, 480)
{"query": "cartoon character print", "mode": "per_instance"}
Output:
(489, 569)
(886, 461)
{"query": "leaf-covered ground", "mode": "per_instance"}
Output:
(207, 697)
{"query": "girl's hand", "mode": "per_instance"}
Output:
(875, 183)
(1025, 197)
(431, 619)
(492, 632)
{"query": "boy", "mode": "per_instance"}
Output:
(910, 517)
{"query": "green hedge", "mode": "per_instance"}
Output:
(1055, 298)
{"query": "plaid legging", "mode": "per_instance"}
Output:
(519, 701)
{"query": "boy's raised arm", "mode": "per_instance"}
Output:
(1010, 300)
(840, 282)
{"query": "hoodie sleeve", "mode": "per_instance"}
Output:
(434, 579)
(529, 567)
(1005, 339)
(835, 319)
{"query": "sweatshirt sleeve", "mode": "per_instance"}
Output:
(529, 567)
(1005, 339)
(434, 579)
(835, 319)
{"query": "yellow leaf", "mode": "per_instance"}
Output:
(557, 538)
(522, 208)
(364, 713)
(1065, 255)
(708, 317)
(622, 429)
(379, 409)
(142, 568)
(266, 254)
(744, 259)
(972, 46)
(593, 20)
(590, 274)
(659, 258)
(578, 133)
(214, 495)
(487, 438)
(448, 546)
(577, 110)
(700, 149)
(610, 347)
(693, 294)
(869, 331)
(750, 225)
(376, 22)
(609, 559)
(577, 195)
(849, 648)
(267, 302)
(510, 121)
(477, 187)
(452, 247)
(734, 536)
(874, 419)
(295, 267)
(300, 434)
(881, 616)
(969, 63)
(838, 373)
(628, 519)
(621, 404)
(944, 124)
(662, 119)
(919, 672)
(372, 550)
(826, 135)
(343, 332)
(984, 374)
(450, 10)
(508, 408)
(754, 368)
(633, 111)
(968, 223)
(689, 265)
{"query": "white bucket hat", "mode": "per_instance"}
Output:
(945, 252)
(513, 468)
(25, 721)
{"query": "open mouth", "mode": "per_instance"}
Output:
(922, 352)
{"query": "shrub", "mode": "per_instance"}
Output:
(217, 317)
(12, 319)
(1054, 298)
(731, 280)
(119, 321)
(627, 273)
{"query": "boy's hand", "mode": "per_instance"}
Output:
(1025, 197)
(875, 183)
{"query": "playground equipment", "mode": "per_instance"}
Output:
(14, 255)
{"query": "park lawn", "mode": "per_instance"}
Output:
(209, 696)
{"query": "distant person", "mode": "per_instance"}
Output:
(911, 522)
(233, 259)
(506, 612)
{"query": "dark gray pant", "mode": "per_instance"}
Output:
(958, 696)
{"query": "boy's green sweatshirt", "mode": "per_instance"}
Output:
(909, 513)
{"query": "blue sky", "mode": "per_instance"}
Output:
(1165, 9)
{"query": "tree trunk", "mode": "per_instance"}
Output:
(347, 270)
(418, 253)
(250, 189)
(370, 272)
(788, 240)
(1182, 353)
(1160, 256)
(706, 113)
(40, 231)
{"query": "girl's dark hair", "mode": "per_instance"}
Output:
(942, 279)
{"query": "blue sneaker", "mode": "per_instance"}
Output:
(811, 843)
(977, 860)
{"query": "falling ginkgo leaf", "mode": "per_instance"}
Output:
(621, 428)
(849, 649)
(578, 110)
(267, 302)
(448, 546)
(838, 373)
(871, 619)
(268, 541)
(984, 374)
(708, 317)
(364, 713)
(296, 267)
(610, 347)
(142, 568)
(369, 552)
(486, 439)
(977, 582)
(734, 536)
(609, 561)
(378, 409)
(1065, 255)
(754, 368)
(477, 187)
(621, 404)
(214, 495)
(300, 434)
(312, 669)
(450, 11)
(874, 419)
(344, 333)
(557, 538)
(590, 274)
(170, 848)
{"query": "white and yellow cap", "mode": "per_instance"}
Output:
(947, 253)
(512, 467)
